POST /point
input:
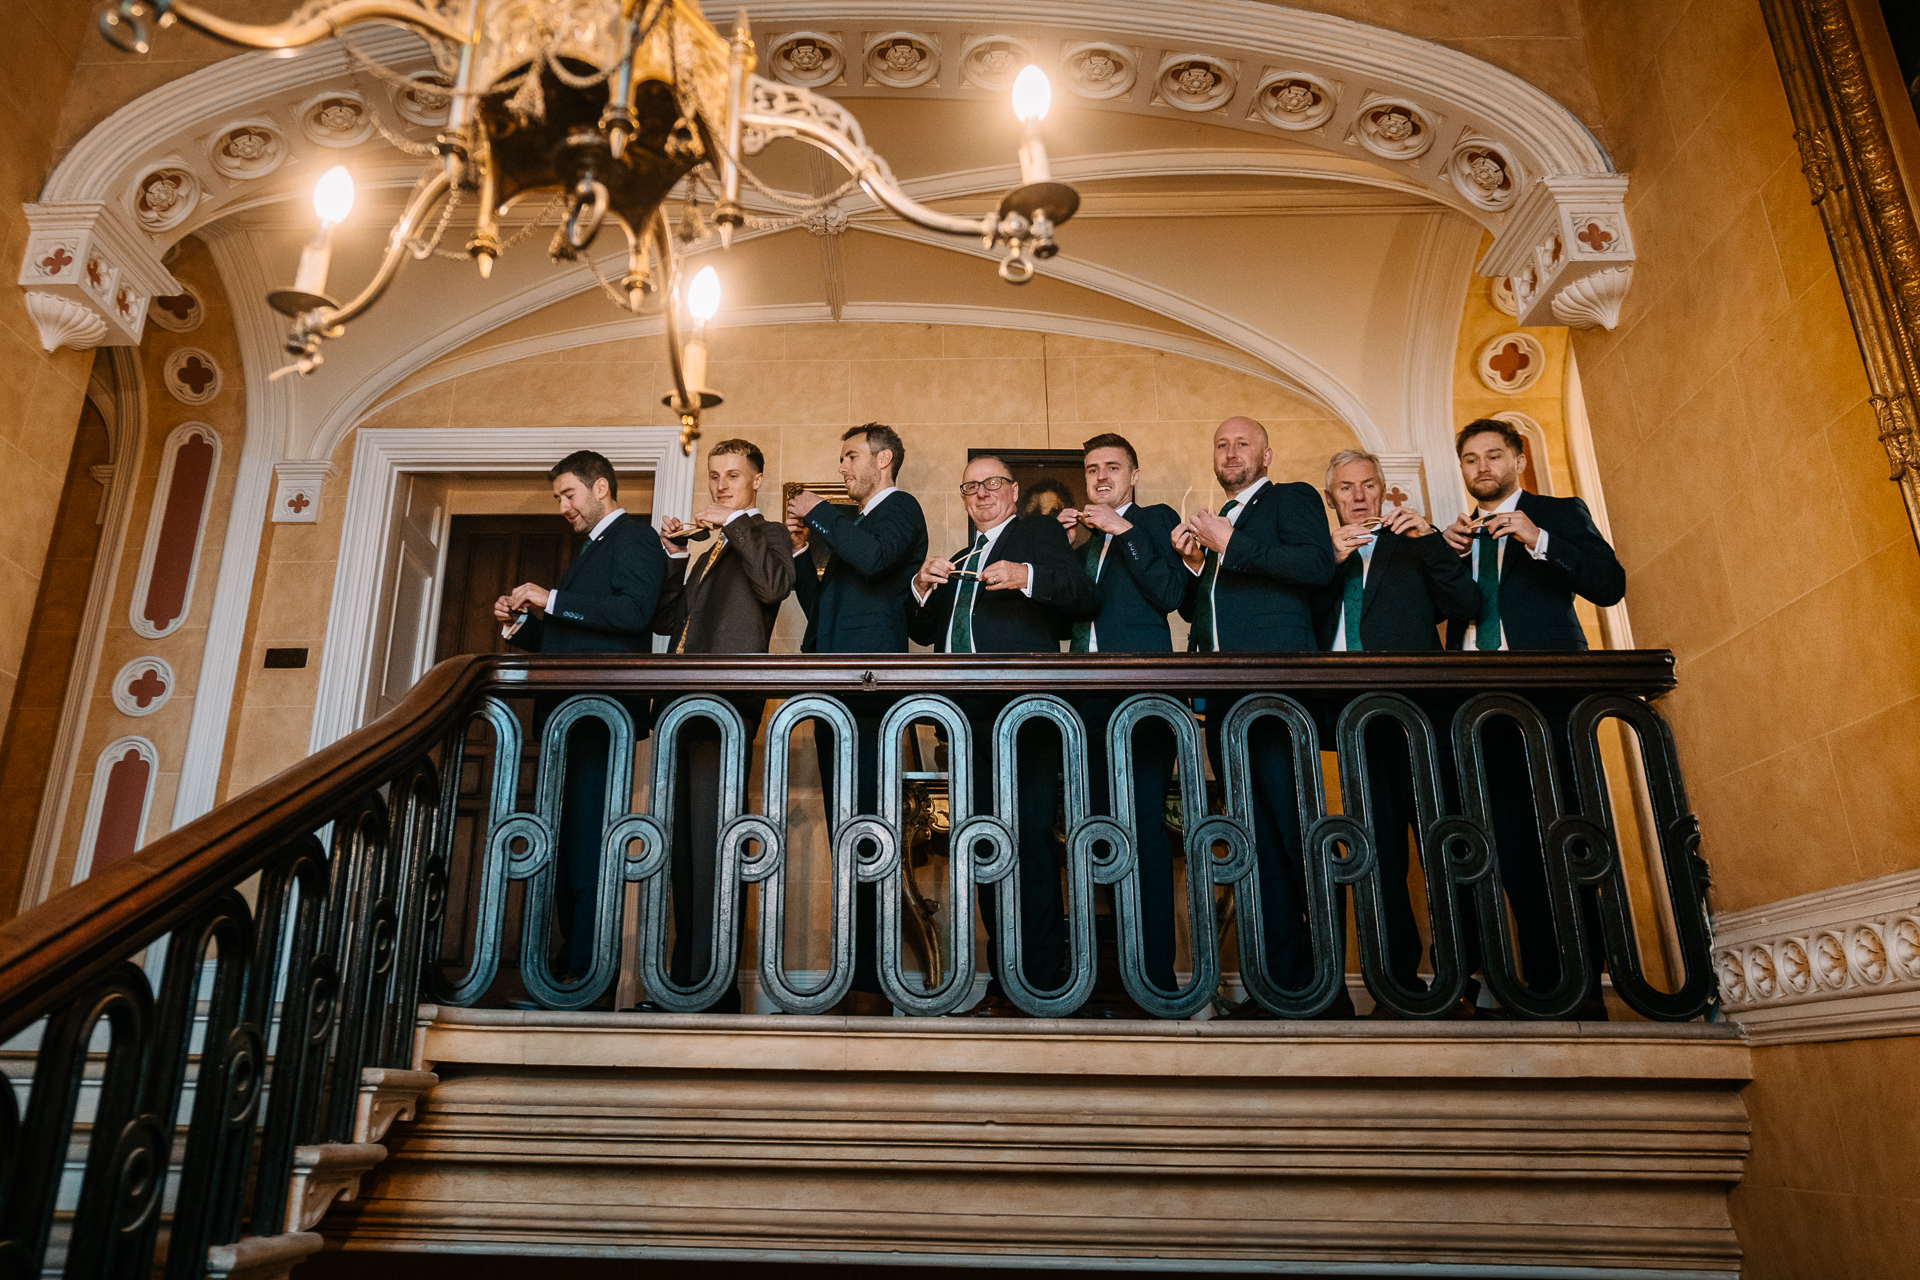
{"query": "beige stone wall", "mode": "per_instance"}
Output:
(1763, 544)
(41, 407)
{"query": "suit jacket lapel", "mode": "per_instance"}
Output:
(1384, 546)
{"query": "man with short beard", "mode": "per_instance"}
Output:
(1015, 588)
(858, 604)
(604, 603)
(1530, 556)
(1128, 552)
(1253, 569)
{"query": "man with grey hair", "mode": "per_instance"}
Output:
(1396, 581)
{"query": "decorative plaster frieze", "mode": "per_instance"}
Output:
(296, 495)
(901, 60)
(1567, 229)
(89, 255)
(809, 59)
(1197, 82)
(991, 62)
(1296, 101)
(1841, 964)
(1100, 69)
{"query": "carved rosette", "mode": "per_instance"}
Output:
(424, 100)
(246, 150)
(89, 272)
(163, 196)
(991, 62)
(809, 59)
(337, 119)
(1485, 174)
(1197, 82)
(1099, 70)
(1295, 100)
(1394, 129)
(901, 60)
(1567, 249)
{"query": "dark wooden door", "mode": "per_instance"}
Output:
(488, 556)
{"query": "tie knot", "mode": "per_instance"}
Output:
(1230, 505)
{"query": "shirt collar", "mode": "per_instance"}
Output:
(744, 511)
(593, 535)
(1245, 494)
(993, 534)
(1512, 503)
(878, 498)
(1124, 507)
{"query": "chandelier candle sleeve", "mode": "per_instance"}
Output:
(332, 202)
(703, 301)
(1032, 97)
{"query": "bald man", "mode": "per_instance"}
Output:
(1253, 568)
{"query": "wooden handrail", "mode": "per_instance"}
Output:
(48, 953)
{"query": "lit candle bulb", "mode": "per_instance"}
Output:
(332, 202)
(703, 301)
(1032, 96)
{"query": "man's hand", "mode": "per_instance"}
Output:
(1004, 575)
(1459, 534)
(1349, 538)
(1070, 521)
(801, 503)
(670, 526)
(526, 594)
(797, 530)
(1188, 545)
(1213, 531)
(503, 608)
(1408, 523)
(1515, 525)
(1098, 515)
(934, 572)
(713, 515)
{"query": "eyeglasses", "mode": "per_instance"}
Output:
(992, 484)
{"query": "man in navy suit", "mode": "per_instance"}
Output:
(858, 604)
(1529, 556)
(1017, 587)
(604, 603)
(1253, 569)
(1396, 582)
(1128, 552)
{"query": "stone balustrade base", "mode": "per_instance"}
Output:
(1606, 1149)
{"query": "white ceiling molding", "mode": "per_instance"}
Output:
(1840, 964)
(381, 456)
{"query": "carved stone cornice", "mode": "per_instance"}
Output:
(89, 275)
(1841, 964)
(1854, 179)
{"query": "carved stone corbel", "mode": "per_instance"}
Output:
(89, 275)
(261, 1257)
(298, 484)
(387, 1095)
(326, 1172)
(1568, 251)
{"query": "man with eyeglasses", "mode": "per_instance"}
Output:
(1017, 587)
(1254, 567)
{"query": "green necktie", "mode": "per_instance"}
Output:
(1083, 631)
(1486, 576)
(1352, 597)
(961, 634)
(1203, 624)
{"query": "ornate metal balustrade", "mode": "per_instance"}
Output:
(294, 931)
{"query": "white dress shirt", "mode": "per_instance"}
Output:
(1365, 552)
(1538, 552)
(1233, 518)
(878, 498)
(1093, 631)
(986, 551)
(593, 535)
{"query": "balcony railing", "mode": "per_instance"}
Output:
(305, 921)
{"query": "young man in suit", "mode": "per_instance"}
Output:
(1529, 558)
(603, 603)
(726, 602)
(1252, 571)
(1395, 583)
(1128, 552)
(1016, 588)
(858, 604)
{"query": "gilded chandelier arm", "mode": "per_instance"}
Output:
(777, 110)
(433, 184)
(290, 34)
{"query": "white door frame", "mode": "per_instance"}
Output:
(382, 455)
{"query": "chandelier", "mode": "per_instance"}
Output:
(601, 111)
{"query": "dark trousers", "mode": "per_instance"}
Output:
(1391, 806)
(1043, 922)
(867, 714)
(583, 807)
(1517, 847)
(1280, 867)
(1153, 752)
(696, 849)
